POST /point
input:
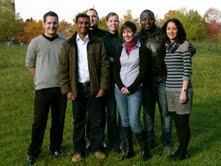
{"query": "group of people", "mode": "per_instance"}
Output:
(102, 71)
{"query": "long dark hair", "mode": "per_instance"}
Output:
(181, 35)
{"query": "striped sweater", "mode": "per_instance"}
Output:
(178, 62)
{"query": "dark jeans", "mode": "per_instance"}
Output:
(93, 107)
(112, 125)
(46, 99)
(152, 95)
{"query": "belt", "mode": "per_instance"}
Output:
(84, 84)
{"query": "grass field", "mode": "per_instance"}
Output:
(16, 108)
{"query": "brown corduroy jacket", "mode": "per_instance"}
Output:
(98, 65)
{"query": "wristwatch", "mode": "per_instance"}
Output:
(185, 90)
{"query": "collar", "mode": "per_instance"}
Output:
(86, 39)
(137, 45)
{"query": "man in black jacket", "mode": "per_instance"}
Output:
(151, 36)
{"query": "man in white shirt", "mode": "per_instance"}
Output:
(84, 78)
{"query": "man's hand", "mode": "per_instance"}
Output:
(32, 70)
(191, 49)
(100, 93)
(70, 96)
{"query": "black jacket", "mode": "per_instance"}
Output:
(154, 40)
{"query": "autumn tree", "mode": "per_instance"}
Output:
(213, 21)
(102, 23)
(32, 28)
(212, 15)
(128, 17)
(65, 29)
(9, 24)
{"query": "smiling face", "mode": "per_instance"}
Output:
(112, 24)
(82, 25)
(93, 18)
(171, 31)
(50, 25)
(128, 34)
(147, 20)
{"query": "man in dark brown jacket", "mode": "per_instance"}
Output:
(84, 78)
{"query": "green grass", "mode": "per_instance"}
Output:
(16, 108)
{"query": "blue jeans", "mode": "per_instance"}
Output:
(129, 109)
(156, 94)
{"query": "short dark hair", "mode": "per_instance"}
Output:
(181, 34)
(149, 12)
(50, 13)
(110, 15)
(128, 24)
(93, 10)
(81, 15)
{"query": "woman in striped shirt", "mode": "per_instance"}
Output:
(179, 88)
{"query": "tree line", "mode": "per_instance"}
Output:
(198, 28)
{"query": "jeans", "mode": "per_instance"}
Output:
(112, 125)
(85, 103)
(129, 109)
(152, 95)
(46, 99)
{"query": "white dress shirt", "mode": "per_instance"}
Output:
(83, 72)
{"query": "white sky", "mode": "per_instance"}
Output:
(67, 9)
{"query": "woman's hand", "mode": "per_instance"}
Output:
(125, 91)
(183, 97)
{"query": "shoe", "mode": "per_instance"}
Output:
(60, 153)
(77, 157)
(88, 146)
(100, 155)
(31, 160)
(167, 149)
(178, 155)
(104, 144)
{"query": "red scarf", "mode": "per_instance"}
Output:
(130, 45)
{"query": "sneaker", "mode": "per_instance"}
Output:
(167, 149)
(100, 155)
(77, 157)
(31, 160)
(60, 153)
(104, 144)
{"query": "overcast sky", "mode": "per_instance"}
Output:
(67, 9)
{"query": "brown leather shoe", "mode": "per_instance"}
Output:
(100, 155)
(77, 158)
